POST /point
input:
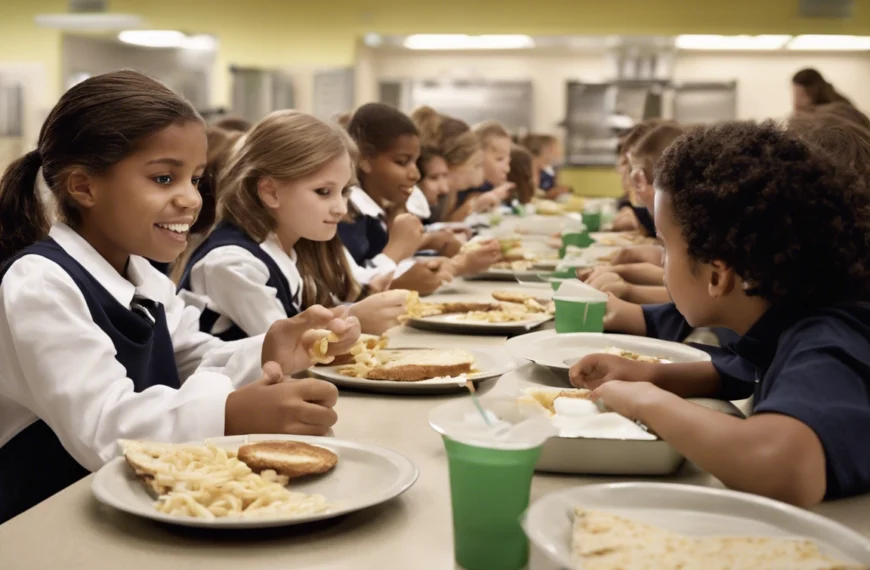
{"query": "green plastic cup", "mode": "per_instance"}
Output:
(592, 221)
(579, 239)
(573, 316)
(489, 491)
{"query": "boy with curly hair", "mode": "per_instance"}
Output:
(767, 236)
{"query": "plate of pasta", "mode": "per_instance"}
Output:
(253, 481)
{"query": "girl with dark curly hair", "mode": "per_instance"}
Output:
(767, 236)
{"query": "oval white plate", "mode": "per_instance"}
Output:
(561, 351)
(455, 324)
(687, 509)
(488, 364)
(366, 475)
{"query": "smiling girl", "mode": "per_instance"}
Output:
(275, 249)
(94, 344)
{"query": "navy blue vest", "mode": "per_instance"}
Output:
(223, 235)
(34, 464)
(364, 238)
(463, 195)
(546, 181)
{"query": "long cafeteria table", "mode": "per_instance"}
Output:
(74, 531)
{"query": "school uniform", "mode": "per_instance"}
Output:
(663, 321)
(547, 178)
(814, 365)
(241, 286)
(365, 237)
(418, 205)
(88, 357)
(465, 195)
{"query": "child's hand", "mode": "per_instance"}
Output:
(406, 235)
(492, 199)
(425, 277)
(596, 369)
(380, 283)
(289, 341)
(610, 282)
(646, 253)
(594, 273)
(477, 260)
(444, 242)
(378, 313)
(627, 398)
(273, 405)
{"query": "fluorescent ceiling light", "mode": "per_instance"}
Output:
(462, 41)
(707, 42)
(89, 22)
(168, 39)
(830, 43)
(153, 38)
(199, 42)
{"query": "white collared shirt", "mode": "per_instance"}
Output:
(58, 366)
(232, 282)
(379, 264)
(418, 205)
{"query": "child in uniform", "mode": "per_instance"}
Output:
(94, 344)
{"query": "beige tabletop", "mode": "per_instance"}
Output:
(412, 532)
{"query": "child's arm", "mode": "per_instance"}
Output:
(646, 253)
(476, 260)
(632, 273)
(610, 282)
(773, 455)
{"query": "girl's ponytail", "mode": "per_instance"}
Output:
(22, 219)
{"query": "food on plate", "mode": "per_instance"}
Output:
(602, 540)
(508, 243)
(512, 296)
(365, 342)
(630, 355)
(537, 398)
(515, 254)
(411, 365)
(209, 482)
(522, 265)
(548, 208)
(317, 353)
(290, 458)
(574, 415)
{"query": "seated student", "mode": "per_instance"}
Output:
(383, 135)
(275, 250)
(522, 175)
(496, 144)
(378, 234)
(546, 153)
(456, 142)
(628, 216)
(840, 139)
(94, 344)
(797, 296)
(639, 282)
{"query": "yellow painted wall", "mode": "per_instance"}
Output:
(284, 33)
(592, 182)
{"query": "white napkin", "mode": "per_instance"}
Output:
(576, 290)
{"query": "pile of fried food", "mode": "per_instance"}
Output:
(509, 307)
(602, 540)
(209, 482)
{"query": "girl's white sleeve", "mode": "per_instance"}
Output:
(234, 282)
(61, 366)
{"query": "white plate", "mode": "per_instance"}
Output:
(455, 324)
(490, 367)
(691, 510)
(561, 351)
(366, 475)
